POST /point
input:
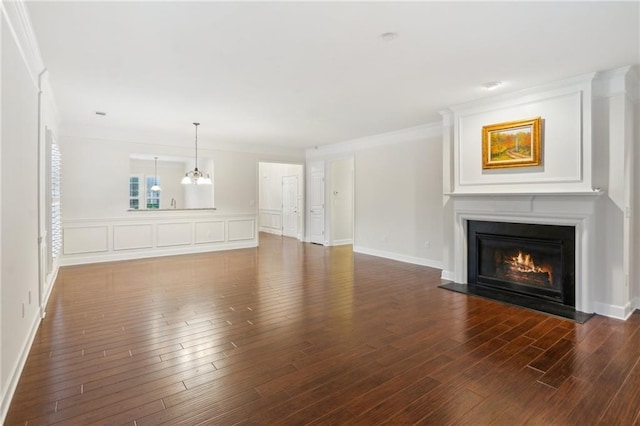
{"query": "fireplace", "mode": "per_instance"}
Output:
(528, 259)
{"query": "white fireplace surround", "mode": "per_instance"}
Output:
(568, 209)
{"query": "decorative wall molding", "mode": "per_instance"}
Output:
(85, 239)
(174, 138)
(271, 221)
(103, 240)
(565, 108)
(132, 236)
(619, 81)
(241, 229)
(425, 131)
(525, 96)
(19, 25)
(209, 232)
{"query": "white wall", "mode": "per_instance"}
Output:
(340, 200)
(566, 140)
(397, 191)
(636, 207)
(25, 113)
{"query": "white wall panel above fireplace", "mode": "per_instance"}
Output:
(566, 140)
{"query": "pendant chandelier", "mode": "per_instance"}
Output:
(155, 186)
(196, 176)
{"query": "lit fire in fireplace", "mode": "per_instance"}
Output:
(524, 263)
(523, 268)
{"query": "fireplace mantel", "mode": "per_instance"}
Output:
(572, 208)
(592, 193)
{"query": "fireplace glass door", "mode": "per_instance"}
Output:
(529, 266)
(532, 259)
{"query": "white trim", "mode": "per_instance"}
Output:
(614, 311)
(144, 254)
(173, 138)
(25, 38)
(430, 130)
(613, 82)
(342, 242)
(578, 212)
(399, 257)
(512, 99)
(447, 275)
(268, 230)
(17, 369)
(50, 281)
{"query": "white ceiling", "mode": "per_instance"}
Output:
(303, 74)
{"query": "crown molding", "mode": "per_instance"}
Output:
(19, 24)
(423, 131)
(156, 138)
(578, 83)
(615, 82)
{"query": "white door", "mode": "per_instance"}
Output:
(316, 203)
(290, 206)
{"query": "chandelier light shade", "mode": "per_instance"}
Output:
(195, 176)
(155, 186)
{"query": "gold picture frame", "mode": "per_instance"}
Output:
(512, 144)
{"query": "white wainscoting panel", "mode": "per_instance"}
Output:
(209, 232)
(126, 237)
(86, 239)
(241, 229)
(150, 234)
(173, 234)
(271, 221)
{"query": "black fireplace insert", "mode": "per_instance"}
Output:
(529, 259)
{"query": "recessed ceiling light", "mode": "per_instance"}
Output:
(101, 113)
(387, 37)
(492, 85)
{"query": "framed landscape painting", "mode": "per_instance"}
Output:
(511, 144)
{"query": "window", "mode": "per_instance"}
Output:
(56, 213)
(140, 194)
(134, 192)
(153, 197)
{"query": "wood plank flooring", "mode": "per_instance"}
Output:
(293, 333)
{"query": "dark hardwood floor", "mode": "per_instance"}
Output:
(294, 333)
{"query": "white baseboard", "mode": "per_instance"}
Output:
(50, 281)
(614, 311)
(399, 257)
(7, 395)
(116, 256)
(342, 242)
(271, 230)
(447, 275)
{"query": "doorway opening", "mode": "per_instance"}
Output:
(281, 199)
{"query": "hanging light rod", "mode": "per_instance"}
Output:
(195, 176)
(155, 186)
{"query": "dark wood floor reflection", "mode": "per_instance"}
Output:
(294, 333)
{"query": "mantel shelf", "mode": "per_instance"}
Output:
(593, 193)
